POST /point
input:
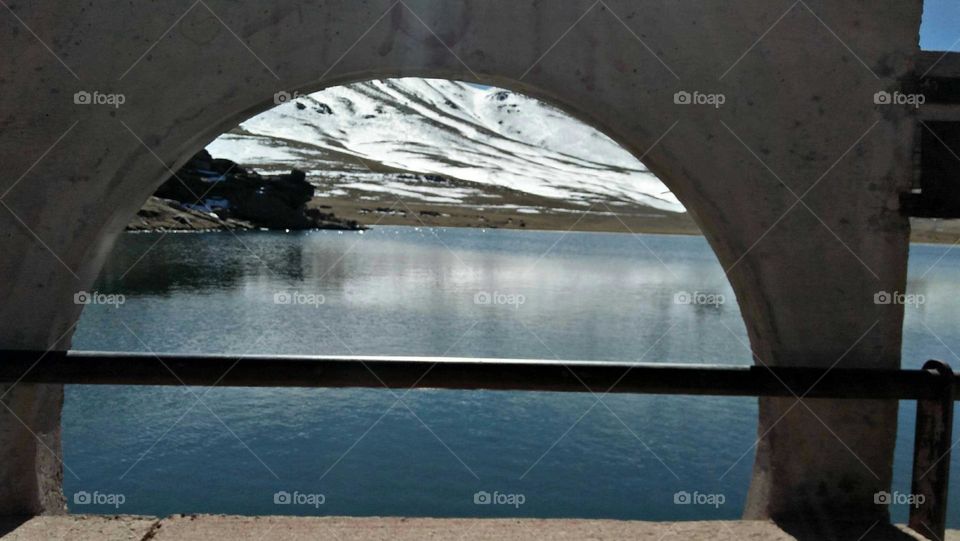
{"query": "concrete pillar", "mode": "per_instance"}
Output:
(30, 437)
(798, 121)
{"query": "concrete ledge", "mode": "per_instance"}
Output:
(206, 527)
(415, 529)
(79, 527)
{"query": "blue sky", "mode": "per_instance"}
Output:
(941, 25)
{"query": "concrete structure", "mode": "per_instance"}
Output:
(794, 179)
(207, 527)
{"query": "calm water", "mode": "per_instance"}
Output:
(404, 291)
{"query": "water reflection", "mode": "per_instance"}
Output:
(406, 291)
(401, 291)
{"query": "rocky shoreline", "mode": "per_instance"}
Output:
(210, 194)
(217, 195)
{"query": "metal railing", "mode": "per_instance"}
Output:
(935, 387)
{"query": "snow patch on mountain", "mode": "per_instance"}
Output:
(486, 136)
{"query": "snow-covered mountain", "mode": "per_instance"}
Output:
(347, 137)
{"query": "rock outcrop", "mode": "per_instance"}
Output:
(209, 193)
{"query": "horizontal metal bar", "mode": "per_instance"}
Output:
(105, 368)
(939, 112)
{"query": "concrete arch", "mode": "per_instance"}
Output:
(799, 120)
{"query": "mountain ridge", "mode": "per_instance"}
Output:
(483, 136)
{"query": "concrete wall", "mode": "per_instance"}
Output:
(799, 115)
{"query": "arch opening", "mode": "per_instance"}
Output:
(628, 168)
(431, 289)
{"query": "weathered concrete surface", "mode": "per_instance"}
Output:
(799, 120)
(30, 443)
(215, 527)
(80, 527)
(304, 528)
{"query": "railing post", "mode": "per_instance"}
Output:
(931, 456)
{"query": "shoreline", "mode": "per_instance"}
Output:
(237, 199)
(924, 236)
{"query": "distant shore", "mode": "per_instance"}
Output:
(159, 215)
(600, 218)
(166, 215)
(234, 197)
